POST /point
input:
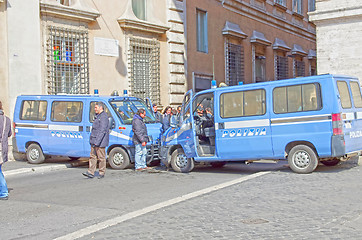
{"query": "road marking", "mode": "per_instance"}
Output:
(36, 170)
(117, 220)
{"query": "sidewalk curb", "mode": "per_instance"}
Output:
(35, 170)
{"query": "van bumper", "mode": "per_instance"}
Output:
(338, 146)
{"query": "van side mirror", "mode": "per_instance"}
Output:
(111, 123)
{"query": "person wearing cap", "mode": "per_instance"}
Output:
(157, 114)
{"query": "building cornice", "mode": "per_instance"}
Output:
(332, 14)
(68, 12)
(249, 11)
(128, 20)
(142, 26)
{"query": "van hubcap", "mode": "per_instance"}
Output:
(34, 154)
(181, 161)
(301, 159)
(118, 159)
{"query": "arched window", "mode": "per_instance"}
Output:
(139, 9)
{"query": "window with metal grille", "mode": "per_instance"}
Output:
(281, 67)
(201, 31)
(144, 63)
(234, 64)
(299, 68)
(67, 61)
(260, 68)
(297, 6)
(311, 5)
(281, 2)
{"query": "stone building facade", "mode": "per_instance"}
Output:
(76, 46)
(248, 41)
(153, 48)
(339, 29)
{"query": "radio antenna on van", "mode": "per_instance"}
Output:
(213, 82)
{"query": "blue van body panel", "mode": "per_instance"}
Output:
(271, 135)
(69, 138)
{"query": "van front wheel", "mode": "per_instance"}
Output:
(34, 154)
(118, 158)
(180, 162)
(302, 159)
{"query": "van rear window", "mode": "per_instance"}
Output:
(33, 110)
(297, 98)
(344, 94)
(356, 94)
(242, 104)
(66, 111)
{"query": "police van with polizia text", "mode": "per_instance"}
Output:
(60, 125)
(304, 120)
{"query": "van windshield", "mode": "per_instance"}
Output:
(126, 109)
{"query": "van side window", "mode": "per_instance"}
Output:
(297, 98)
(33, 110)
(344, 94)
(92, 113)
(66, 111)
(356, 94)
(242, 104)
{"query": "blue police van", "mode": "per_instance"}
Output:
(304, 120)
(48, 125)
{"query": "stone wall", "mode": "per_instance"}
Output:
(339, 30)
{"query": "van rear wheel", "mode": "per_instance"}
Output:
(118, 158)
(180, 162)
(302, 159)
(34, 154)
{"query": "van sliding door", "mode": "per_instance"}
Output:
(243, 126)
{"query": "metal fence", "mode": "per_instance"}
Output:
(67, 61)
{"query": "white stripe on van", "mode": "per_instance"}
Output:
(120, 135)
(348, 116)
(248, 123)
(290, 123)
(64, 128)
(359, 115)
(304, 116)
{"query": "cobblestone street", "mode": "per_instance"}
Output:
(280, 205)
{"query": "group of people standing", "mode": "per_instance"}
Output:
(99, 138)
(140, 135)
(166, 118)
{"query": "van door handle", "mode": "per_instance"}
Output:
(88, 128)
(221, 126)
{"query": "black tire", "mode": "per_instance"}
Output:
(332, 162)
(74, 158)
(302, 159)
(118, 158)
(217, 164)
(34, 154)
(180, 163)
